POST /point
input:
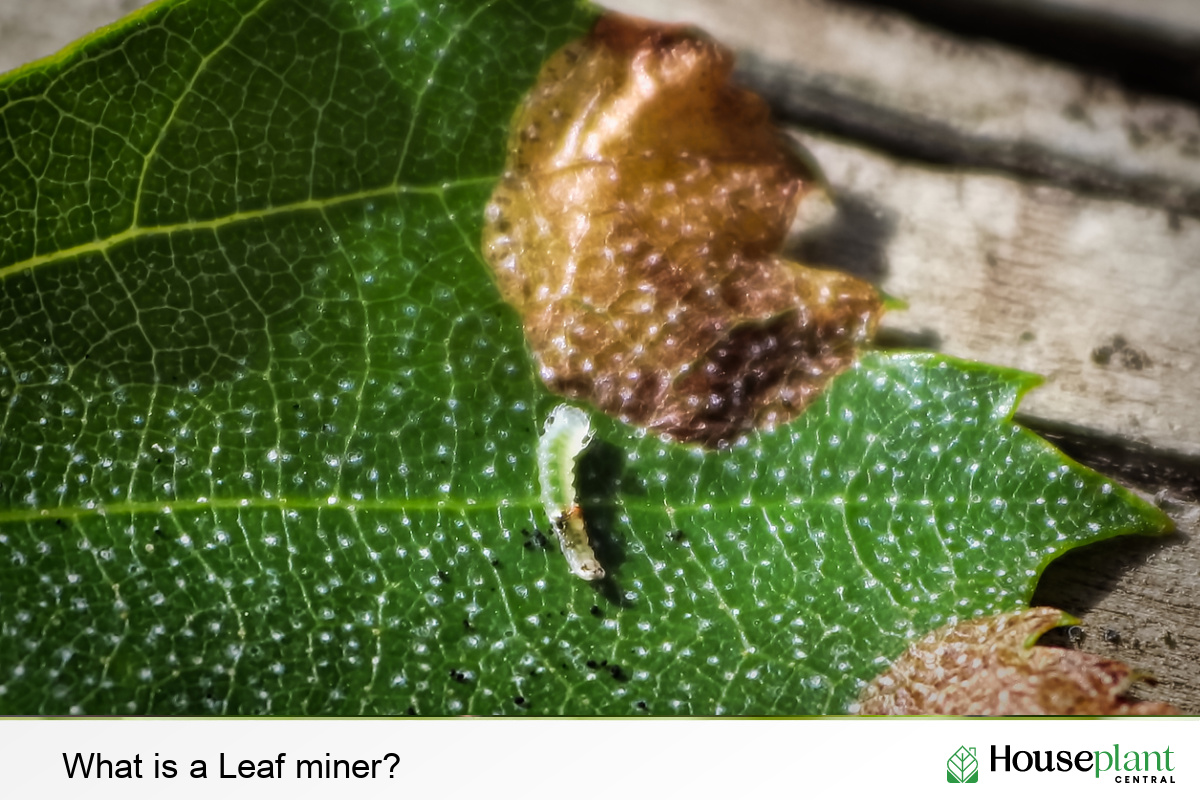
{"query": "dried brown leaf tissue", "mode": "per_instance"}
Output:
(637, 231)
(990, 666)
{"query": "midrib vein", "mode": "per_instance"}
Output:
(135, 231)
(142, 507)
(396, 505)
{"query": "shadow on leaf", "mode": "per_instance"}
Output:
(601, 477)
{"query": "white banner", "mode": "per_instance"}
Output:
(617, 758)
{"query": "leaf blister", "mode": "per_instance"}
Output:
(637, 230)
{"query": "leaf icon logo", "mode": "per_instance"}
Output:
(962, 767)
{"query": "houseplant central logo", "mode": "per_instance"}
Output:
(962, 767)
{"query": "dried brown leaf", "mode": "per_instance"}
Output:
(990, 666)
(637, 229)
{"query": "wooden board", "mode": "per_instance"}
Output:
(884, 80)
(31, 30)
(1152, 46)
(1167, 18)
(1172, 24)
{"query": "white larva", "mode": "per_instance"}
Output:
(566, 433)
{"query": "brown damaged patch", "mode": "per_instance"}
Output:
(637, 228)
(990, 667)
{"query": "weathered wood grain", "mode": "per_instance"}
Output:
(1152, 46)
(1179, 19)
(1174, 21)
(884, 80)
(29, 31)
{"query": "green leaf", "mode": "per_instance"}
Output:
(267, 433)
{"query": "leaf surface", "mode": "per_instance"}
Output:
(267, 433)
